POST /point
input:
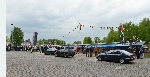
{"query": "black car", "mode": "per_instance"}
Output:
(116, 55)
(65, 52)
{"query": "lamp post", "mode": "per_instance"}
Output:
(12, 36)
(63, 40)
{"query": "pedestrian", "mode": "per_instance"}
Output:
(32, 49)
(83, 50)
(86, 51)
(141, 53)
(96, 50)
(99, 50)
(137, 52)
(91, 51)
(103, 50)
(130, 49)
(45, 48)
(77, 50)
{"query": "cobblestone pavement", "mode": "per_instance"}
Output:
(25, 64)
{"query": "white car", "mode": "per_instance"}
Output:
(50, 51)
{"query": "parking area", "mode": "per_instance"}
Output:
(25, 64)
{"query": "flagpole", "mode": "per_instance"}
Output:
(123, 33)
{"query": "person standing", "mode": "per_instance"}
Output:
(77, 49)
(45, 48)
(83, 50)
(141, 53)
(103, 50)
(96, 50)
(87, 51)
(137, 52)
(91, 51)
(42, 49)
(130, 49)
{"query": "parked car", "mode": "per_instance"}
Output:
(116, 55)
(145, 47)
(50, 51)
(65, 52)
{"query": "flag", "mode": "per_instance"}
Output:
(80, 26)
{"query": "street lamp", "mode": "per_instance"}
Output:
(12, 35)
(63, 40)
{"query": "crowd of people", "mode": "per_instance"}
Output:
(88, 51)
(139, 52)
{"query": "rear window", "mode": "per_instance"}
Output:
(125, 52)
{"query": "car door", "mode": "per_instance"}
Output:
(62, 52)
(111, 55)
(108, 55)
(116, 55)
(58, 52)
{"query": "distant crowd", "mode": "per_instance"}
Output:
(88, 51)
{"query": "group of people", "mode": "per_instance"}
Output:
(87, 50)
(139, 52)
(90, 50)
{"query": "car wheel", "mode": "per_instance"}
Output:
(46, 53)
(121, 61)
(56, 55)
(72, 55)
(99, 59)
(65, 56)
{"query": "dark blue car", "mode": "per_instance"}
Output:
(116, 55)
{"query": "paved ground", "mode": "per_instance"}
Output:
(25, 64)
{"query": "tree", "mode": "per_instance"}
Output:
(77, 42)
(111, 36)
(97, 39)
(87, 40)
(144, 27)
(16, 36)
(104, 40)
(51, 41)
(7, 39)
(40, 41)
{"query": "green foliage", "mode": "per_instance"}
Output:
(141, 31)
(51, 41)
(7, 39)
(112, 37)
(104, 40)
(97, 39)
(77, 42)
(144, 32)
(87, 40)
(16, 36)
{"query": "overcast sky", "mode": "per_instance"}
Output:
(56, 18)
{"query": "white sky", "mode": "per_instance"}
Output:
(56, 18)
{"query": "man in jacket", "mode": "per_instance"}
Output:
(96, 50)
(137, 52)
